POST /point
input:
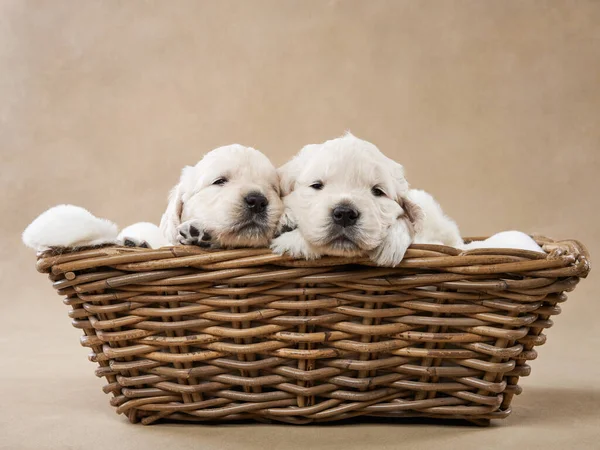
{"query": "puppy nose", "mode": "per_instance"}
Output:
(256, 202)
(345, 215)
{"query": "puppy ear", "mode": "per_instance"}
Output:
(397, 173)
(287, 177)
(171, 219)
(413, 213)
(288, 173)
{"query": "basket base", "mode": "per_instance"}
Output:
(136, 416)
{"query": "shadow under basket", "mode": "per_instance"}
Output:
(186, 334)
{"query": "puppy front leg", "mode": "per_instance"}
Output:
(286, 223)
(394, 246)
(142, 234)
(293, 243)
(288, 239)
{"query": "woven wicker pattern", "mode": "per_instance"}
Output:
(181, 333)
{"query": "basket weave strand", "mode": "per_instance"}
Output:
(185, 334)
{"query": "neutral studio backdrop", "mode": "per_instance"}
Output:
(493, 107)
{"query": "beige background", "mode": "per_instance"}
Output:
(492, 106)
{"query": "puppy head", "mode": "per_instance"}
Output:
(232, 192)
(345, 195)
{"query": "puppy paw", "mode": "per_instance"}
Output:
(286, 223)
(130, 241)
(387, 256)
(144, 235)
(293, 244)
(393, 248)
(193, 233)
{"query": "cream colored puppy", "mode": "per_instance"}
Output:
(507, 239)
(229, 199)
(345, 198)
(437, 227)
(68, 226)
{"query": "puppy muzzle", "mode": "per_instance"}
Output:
(344, 234)
(253, 215)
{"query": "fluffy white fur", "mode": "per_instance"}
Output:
(506, 239)
(205, 211)
(143, 234)
(437, 227)
(352, 171)
(68, 226)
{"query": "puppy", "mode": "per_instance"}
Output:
(345, 198)
(68, 226)
(507, 239)
(229, 199)
(437, 228)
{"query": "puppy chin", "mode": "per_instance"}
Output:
(230, 241)
(341, 243)
(246, 235)
(341, 247)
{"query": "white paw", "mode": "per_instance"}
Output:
(387, 256)
(193, 232)
(132, 241)
(293, 244)
(286, 223)
(393, 248)
(142, 234)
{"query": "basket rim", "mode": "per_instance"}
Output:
(570, 254)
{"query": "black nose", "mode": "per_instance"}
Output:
(345, 215)
(256, 202)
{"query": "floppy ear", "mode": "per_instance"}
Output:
(171, 219)
(413, 213)
(397, 173)
(291, 169)
(287, 177)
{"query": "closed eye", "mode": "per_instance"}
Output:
(377, 191)
(220, 181)
(318, 185)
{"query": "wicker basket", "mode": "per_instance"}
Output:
(185, 334)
